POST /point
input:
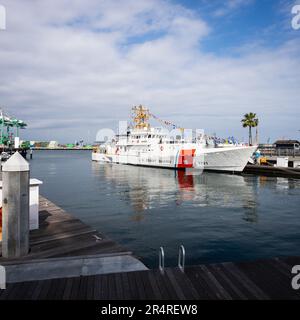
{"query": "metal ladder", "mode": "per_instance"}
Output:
(161, 259)
(181, 259)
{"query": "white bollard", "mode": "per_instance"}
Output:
(15, 207)
(17, 142)
(2, 278)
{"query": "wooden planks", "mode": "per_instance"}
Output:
(62, 235)
(272, 171)
(262, 280)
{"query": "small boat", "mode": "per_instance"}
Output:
(4, 156)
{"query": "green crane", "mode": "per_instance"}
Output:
(9, 128)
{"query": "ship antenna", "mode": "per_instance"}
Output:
(141, 116)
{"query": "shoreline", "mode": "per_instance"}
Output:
(62, 149)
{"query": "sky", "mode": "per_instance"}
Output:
(72, 67)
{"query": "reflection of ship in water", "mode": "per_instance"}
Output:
(152, 188)
(185, 181)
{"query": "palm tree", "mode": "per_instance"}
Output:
(250, 121)
(256, 133)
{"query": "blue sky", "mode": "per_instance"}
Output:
(244, 22)
(70, 68)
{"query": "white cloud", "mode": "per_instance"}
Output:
(229, 6)
(86, 62)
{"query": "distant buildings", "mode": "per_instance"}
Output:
(281, 148)
(55, 145)
(287, 144)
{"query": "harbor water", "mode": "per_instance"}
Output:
(217, 217)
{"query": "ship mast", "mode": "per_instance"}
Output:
(141, 115)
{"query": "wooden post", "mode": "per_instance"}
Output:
(15, 207)
(2, 278)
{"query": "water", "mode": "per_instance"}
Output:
(217, 217)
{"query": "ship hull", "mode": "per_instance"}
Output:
(230, 159)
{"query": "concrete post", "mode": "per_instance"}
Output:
(15, 207)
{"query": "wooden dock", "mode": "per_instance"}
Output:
(273, 171)
(69, 260)
(64, 245)
(61, 234)
(259, 280)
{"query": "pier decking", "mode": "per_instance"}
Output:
(69, 260)
(64, 245)
(261, 280)
(273, 171)
(60, 234)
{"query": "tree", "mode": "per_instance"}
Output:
(250, 121)
(256, 127)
